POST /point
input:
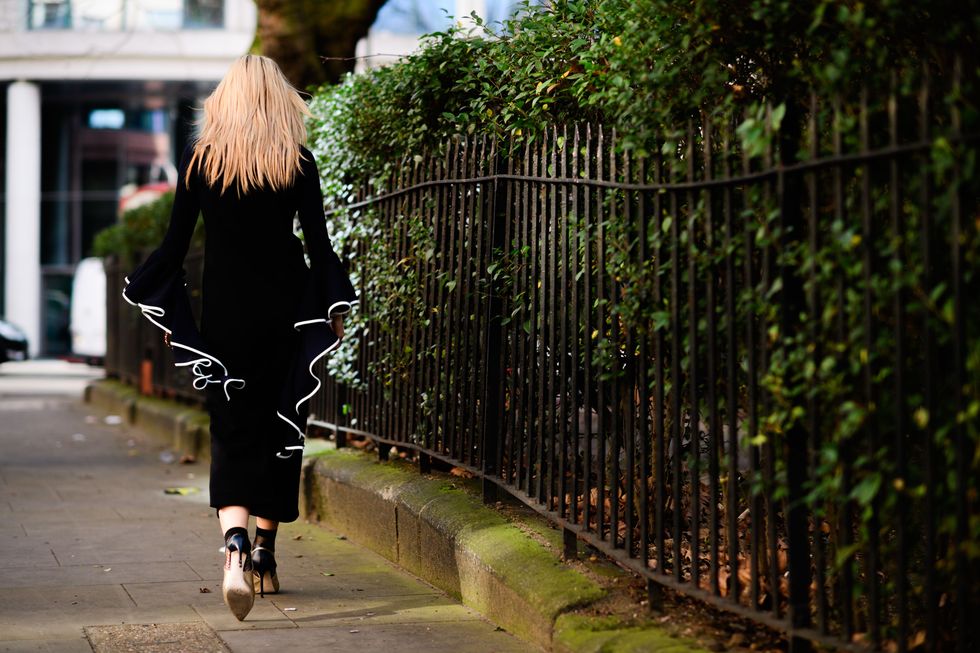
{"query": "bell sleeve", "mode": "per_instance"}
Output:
(328, 292)
(158, 288)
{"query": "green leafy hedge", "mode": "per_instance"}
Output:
(645, 68)
(140, 230)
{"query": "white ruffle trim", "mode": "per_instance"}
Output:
(336, 343)
(200, 367)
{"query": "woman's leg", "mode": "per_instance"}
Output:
(233, 517)
(264, 556)
(266, 524)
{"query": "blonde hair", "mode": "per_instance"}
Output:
(252, 128)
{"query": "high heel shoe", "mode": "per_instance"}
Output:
(237, 586)
(264, 571)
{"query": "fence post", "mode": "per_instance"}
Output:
(340, 417)
(790, 197)
(493, 360)
(111, 362)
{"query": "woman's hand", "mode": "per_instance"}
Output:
(337, 324)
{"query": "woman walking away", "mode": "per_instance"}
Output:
(266, 317)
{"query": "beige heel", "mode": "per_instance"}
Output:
(265, 580)
(265, 583)
(237, 586)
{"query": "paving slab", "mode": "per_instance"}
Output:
(66, 624)
(328, 609)
(154, 638)
(263, 615)
(117, 573)
(98, 557)
(467, 637)
(71, 645)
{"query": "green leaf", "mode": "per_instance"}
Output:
(778, 113)
(865, 491)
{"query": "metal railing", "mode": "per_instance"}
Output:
(518, 359)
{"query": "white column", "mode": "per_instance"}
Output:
(22, 255)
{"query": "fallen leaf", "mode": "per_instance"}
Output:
(182, 491)
(355, 631)
(205, 590)
(918, 639)
(298, 537)
(326, 573)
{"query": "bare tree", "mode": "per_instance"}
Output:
(313, 41)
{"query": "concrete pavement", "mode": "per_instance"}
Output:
(94, 555)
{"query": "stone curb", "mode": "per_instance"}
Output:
(447, 537)
(186, 428)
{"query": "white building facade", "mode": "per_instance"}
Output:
(96, 96)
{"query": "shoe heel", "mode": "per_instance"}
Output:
(236, 587)
(264, 571)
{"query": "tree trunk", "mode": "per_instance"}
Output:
(299, 34)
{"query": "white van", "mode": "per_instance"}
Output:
(88, 319)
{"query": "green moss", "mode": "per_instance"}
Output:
(531, 570)
(583, 634)
(606, 569)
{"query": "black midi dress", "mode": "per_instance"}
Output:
(265, 321)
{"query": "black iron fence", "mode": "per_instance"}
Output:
(751, 377)
(744, 378)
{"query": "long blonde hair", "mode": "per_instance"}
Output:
(252, 128)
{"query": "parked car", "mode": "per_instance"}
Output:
(13, 342)
(88, 338)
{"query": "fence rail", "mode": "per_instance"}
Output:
(744, 378)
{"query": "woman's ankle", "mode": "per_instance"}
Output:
(265, 538)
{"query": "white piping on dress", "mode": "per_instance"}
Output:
(200, 376)
(313, 362)
(240, 383)
(323, 353)
(146, 309)
(201, 380)
(290, 450)
(330, 313)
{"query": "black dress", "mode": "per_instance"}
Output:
(265, 321)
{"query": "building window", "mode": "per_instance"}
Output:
(204, 14)
(48, 14)
(106, 119)
(116, 15)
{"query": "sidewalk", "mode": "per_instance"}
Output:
(93, 552)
